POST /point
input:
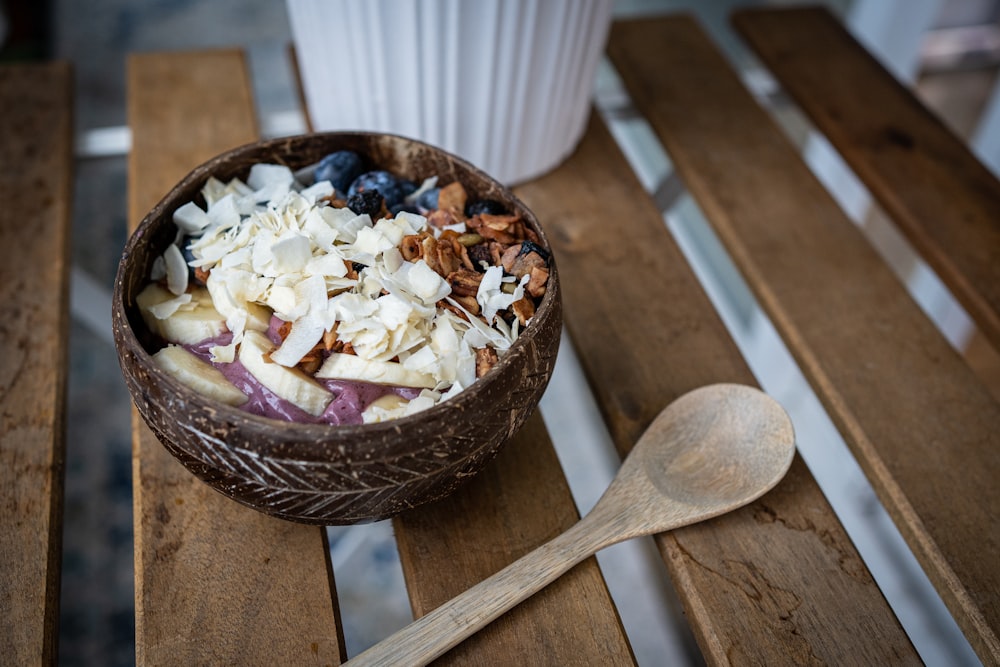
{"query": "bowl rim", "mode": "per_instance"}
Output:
(125, 336)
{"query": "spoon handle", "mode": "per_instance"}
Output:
(431, 635)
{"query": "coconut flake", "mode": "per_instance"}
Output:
(459, 227)
(426, 400)
(349, 307)
(158, 271)
(305, 333)
(225, 354)
(176, 269)
(214, 190)
(372, 241)
(348, 228)
(492, 298)
(425, 283)
(329, 265)
(262, 175)
(428, 184)
(165, 309)
(270, 182)
(224, 213)
(290, 253)
(319, 229)
(281, 299)
(190, 218)
(392, 311)
(317, 191)
(480, 334)
(423, 360)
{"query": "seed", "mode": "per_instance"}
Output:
(469, 239)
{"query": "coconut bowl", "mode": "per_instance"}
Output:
(317, 473)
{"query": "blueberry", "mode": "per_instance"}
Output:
(340, 168)
(393, 189)
(404, 207)
(428, 199)
(186, 250)
(366, 201)
(488, 206)
(407, 187)
(188, 256)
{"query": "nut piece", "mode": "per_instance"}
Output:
(464, 282)
(519, 259)
(411, 248)
(467, 302)
(451, 199)
(501, 228)
(536, 283)
(486, 358)
(524, 308)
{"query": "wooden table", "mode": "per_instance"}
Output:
(778, 582)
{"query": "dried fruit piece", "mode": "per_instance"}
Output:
(370, 202)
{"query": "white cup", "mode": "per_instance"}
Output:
(505, 84)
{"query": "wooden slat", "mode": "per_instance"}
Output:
(925, 430)
(216, 582)
(36, 140)
(777, 582)
(518, 502)
(942, 198)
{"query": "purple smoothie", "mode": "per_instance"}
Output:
(349, 402)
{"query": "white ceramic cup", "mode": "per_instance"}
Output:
(505, 84)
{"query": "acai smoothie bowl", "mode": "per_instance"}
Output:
(336, 327)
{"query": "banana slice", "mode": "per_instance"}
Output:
(189, 323)
(384, 408)
(200, 375)
(291, 384)
(351, 367)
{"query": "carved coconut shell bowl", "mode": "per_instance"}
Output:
(325, 474)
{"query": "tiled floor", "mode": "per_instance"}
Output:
(97, 622)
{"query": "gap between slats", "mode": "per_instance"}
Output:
(913, 598)
(891, 142)
(36, 184)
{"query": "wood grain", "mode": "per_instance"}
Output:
(778, 582)
(518, 502)
(36, 171)
(924, 429)
(925, 177)
(216, 582)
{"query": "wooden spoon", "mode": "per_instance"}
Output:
(712, 450)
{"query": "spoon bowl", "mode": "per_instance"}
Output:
(709, 452)
(717, 447)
